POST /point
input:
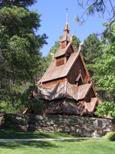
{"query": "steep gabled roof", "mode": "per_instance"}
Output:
(83, 91)
(66, 90)
(60, 52)
(56, 72)
(90, 106)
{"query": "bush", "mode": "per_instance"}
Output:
(106, 109)
(20, 98)
(37, 106)
(34, 103)
(110, 136)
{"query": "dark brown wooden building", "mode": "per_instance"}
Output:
(67, 85)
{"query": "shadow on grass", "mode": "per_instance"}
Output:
(35, 144)
(10, 134)
(75, 140)
(23, 145)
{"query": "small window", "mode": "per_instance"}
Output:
(63, 44)
(59, 61)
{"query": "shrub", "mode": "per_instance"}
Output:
(106, 109)
(110, 136)
(15, 100)
(37, 106)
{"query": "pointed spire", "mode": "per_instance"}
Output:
(66, 38)
(66, 28)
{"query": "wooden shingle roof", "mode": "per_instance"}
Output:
(66, 90)
(56, 72)
(60, 52)
(83, 90)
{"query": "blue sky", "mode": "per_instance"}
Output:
(53, 17)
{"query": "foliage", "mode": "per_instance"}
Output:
(106, 75)
(75, 41)
(110, 136)
(20, 46)
(100, 60)
(104, 67)
(20, 57)
(31, 102)
(92, 48)
(51, 54)
(106, 109)
(98, 6)
(20, 98)
(14, 100)
(21, 3)
(37, 106)
(109, 33)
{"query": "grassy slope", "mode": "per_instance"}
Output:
(79, 147)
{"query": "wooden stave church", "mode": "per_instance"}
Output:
(66, 86)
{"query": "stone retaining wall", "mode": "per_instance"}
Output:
(82, 126)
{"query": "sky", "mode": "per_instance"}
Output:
(53, 18)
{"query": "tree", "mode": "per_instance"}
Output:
(105, 67)
(98, 6)
(92, 48)
(22, 3)
(100, 60)
(20, 57)
(19, 44)
(109, 33)
(105, 72)
(106, 109)
(51, 54)
(75, 41)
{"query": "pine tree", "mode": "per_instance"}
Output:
(20, 57)
(22, 3)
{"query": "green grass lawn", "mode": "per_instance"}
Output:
(10, 134)
(78, 147)
(92, 146)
